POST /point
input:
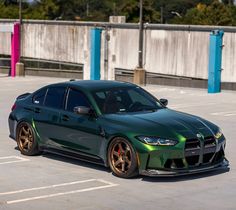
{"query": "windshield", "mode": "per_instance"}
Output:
(125, 100)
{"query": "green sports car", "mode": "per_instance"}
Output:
(118, 125)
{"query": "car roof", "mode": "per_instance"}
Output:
(92, 85)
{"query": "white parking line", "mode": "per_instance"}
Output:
(46, 187)
(229, 115)
(9, 161)
(107, 185)
(225, 114)
(190, 105)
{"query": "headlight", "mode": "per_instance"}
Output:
(156, 141)
(218, 134)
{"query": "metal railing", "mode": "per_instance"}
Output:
(43, 65)
(150, 26)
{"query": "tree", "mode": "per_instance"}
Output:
(10, 2)
(131, 9)
(43, 9)
(205, 12)
(232, 10)
(229, 2)
(11, 11)
(85, 10)
(214, 14)
(98, 10)
(172, 7)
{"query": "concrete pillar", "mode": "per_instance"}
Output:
(215, 60)
(95, 54)
(139, 76)
(20, 70)
(15, 48)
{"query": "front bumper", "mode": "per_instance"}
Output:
(223, 165)
(188, 157)
(12, 123)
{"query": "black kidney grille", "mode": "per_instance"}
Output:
(192, 151)
(209, 141)
(192, 160)
(192, 144)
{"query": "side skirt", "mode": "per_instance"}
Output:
(73, 155)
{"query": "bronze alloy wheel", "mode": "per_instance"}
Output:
(26, 139)
(122, 158)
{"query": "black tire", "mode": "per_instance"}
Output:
(26, 140)
(122, 158)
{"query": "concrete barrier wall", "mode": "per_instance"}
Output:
(182, 53)
(123, 50)
(229, 58)
(5, 40)
(171, 50)
(177, 53)
(57, 42)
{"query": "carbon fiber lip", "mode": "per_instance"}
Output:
(223, 165)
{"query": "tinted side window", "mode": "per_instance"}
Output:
(55, 97)
(76, 98)
(140, 97)
(39, 97)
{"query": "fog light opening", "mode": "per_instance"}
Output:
(173, 165)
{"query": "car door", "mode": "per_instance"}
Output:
(47, 106)
(80, 133)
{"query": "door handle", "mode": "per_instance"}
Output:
(37, 110)
(65, 118)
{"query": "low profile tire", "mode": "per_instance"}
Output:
(26, 139)
(122, 158)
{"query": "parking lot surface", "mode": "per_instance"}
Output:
(53, 182)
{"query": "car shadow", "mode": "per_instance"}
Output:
(17, 148)
(143, 178)
(95, 166)
(75, 161)
(188, 177)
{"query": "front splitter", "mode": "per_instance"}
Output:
(223, 165)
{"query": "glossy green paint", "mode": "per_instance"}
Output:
(91, 134)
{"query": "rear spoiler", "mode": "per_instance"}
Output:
(23, 96)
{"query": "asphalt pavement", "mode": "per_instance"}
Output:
(54, 182)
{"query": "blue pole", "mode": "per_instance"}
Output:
(95, 53)
(215, 60)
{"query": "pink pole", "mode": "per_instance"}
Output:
(15, 48)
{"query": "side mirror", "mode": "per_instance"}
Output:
(164, 102)
(83, 110)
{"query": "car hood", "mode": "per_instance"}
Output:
(164, 123)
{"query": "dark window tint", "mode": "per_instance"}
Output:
(55, 97)
(76, 98)
(140, 97)
(39, 97)
(123, 100)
